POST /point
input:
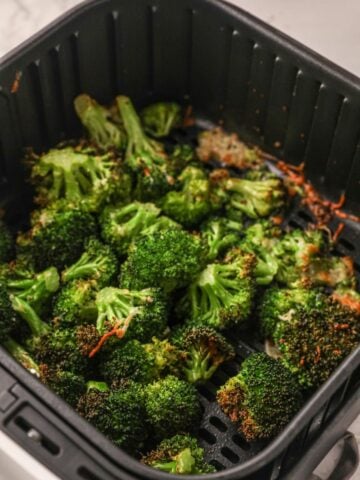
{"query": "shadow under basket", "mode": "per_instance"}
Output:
(236, 71)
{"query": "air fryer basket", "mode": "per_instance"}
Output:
(235, 70)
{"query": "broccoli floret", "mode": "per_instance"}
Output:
(160, 224)
(37, 289)
(97, 121)
(98, 262)
(160, 118)
(180, 454)
(227, 149)
(75, 303)
(190, 205)
(145, 157)
(221, 296)
(260, 239)
(204, 350)
(120, 225)
(118, 414)
(87, 338)
(6, 243)
(256, 199)
(172, 406)
(182, 156)
(347, 297)
(295, 252)
(68, 385)
(332, 272)
(134, 314)
(129, 361)
(168, 259)
(278, 302)
(8, 317)
(167, 358)
(313, 343)
(219, 234)
(262, 398)
(57, 238)
(78, 179)
(22, 356)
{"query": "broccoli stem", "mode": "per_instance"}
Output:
(132, 124)
(98, 386)
(22, 356)
(37, 326)
(86, 266)
(184, 463)
(198, 368)
(114, 308)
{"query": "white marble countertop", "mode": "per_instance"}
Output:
(328, 26)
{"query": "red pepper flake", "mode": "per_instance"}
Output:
(189, 120)
(337, 232)
(318, 354)
(302, 361)
(341, 326)
(16, 83)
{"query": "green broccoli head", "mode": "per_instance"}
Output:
(190, 205)
(78, 179)
(160, 224)
(97, 121)
(98, 262)
(295, 252)
(278, 302)
(168, 259)
(75, 303)
(222, 294)
(68, 385)
(172, 406)
(181, 156)
(134, 314)
(57, 238)
(120, 225)
(159, 119)
(204, 350)
(260, 239)
(145, 157)
(119, 414)
(167, 357)
(262, 398)
(331, 271)
(313, 343)
(8, 317)
(219, 234)
(6, 243)
(180, 454)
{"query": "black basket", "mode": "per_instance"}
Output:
(234, 69)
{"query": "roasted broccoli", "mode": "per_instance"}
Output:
(204, 350)
(172, 406)
(181, 156)
(57, 238)
(6, 243)
(220, 234)
(98, 262)
(145, 157)
(334, 272)
(22, 356)
(97, 121)
(180, 454)
(168, 259)
(262, 398)
(347, 297)
(120, 225)
(134, 314)
(8, 316)
(222, 295)
(67, 385)
(160, 118)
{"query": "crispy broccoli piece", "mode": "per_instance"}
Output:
(172, 406)
(278, 302)
(168, 259)
(167, 357)
(295, 252)
(98, 262)
(68, 385)
(6, 243)
(78, 179)
(180, 454)
(57, 238)
(120, 225)
(87, 338)
(160, 118)
(8, 316)
(145, 157)
(256, 199)
(313, 343)
(204, 349)
(331, 271)
(221, 296)
(134, 314)
(227, 149)
(262, 398)
(260, 239)
(219, 234)
(190, 205)
(97, 121)
(22, 356)
(347, 297)
(118, 414)
(37, 289)
(75, 303)
(182, 156)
